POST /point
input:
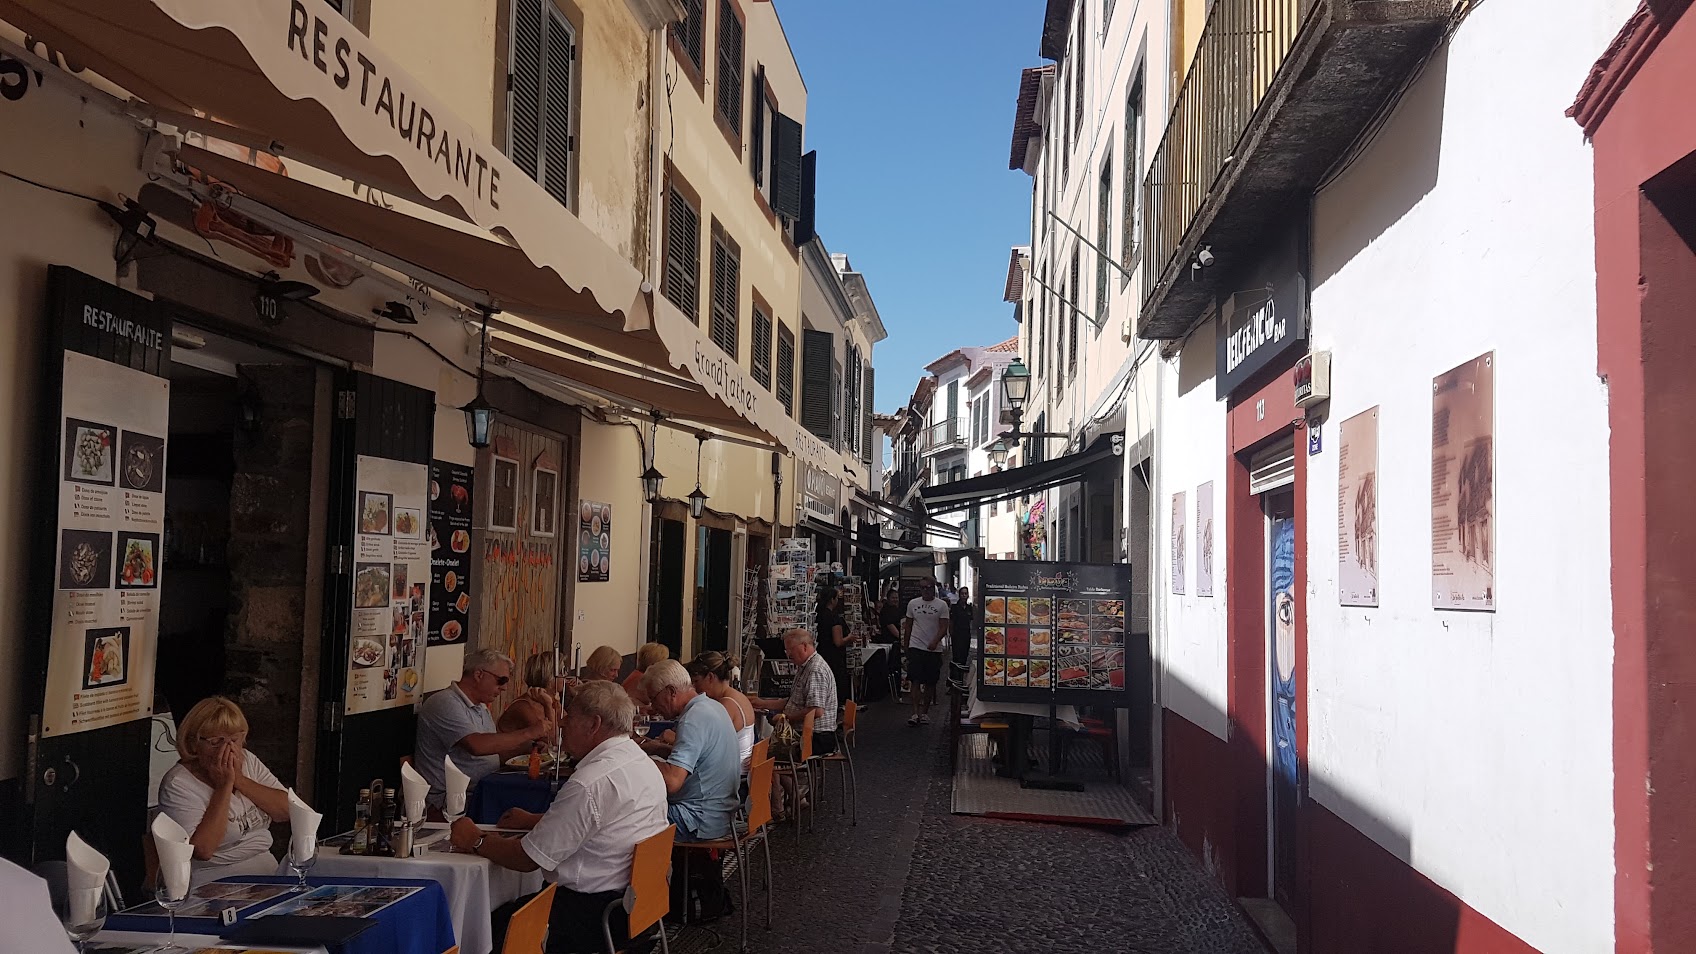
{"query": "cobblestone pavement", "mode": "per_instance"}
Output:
(912, 878)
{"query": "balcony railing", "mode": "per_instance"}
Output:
(948, 435)
(1275, 95)
(1243, 46)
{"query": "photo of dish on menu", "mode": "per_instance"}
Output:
(384, 664)
(1053, 632)
(449, 522)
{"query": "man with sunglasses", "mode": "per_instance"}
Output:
(457, 722)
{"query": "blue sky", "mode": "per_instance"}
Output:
(910, 106)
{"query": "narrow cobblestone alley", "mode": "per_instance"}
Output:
(911, 877)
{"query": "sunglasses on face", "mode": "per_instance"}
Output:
(499, 680)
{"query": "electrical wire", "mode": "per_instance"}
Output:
(50, 188)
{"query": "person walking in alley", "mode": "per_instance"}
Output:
(890, 614)
(960, 627)
(924, 628)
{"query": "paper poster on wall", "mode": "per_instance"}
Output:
(391, 564)
(450, 590)
(111, 520)
(1178, 514)
(1357, 510)
(544, 497)
(594, 542)
(503, 494)
(1463, 486)
(1204, 539)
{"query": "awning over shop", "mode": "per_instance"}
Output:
(975, 491)
(298, 80)
(904, 517)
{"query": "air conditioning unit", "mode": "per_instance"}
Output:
(1313, 379)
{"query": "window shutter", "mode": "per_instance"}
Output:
(868, 446)
(524, 96)
(556, 107)
(762, 348)
(757, 143)
(683, 255)
(1072, 323)
(838, 404)
(1132, 223)
(805, 224)
(727, 275)
(689, 30)
(817, 355)
(785, 166)
(786, 369)
(1103, 221)
(730, 66)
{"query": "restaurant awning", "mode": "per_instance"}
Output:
(903, 516)
(975, 491)
(297, 80)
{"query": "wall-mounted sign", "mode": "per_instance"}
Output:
(110, 464)
(594, 542)
(1463, 486)
(391, 569)
(821, 494)
(1267, 320)
(1312, 378)
(450, 553)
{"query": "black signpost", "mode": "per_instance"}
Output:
(1053, 633)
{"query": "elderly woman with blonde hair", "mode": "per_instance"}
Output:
(603, 664)
(222, 795)
(646, 656)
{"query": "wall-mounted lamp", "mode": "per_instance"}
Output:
(698, 498)
(480, 414)
(998, 452)
(651, 480)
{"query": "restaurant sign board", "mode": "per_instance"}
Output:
(1053, 631)
(114, 417)
(391, 584)
(822, 495)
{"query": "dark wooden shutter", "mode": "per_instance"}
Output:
(1103, 221)
(838, 404)
(1072, 324)
(690, 30)
(727, 275)
(786, 369)
(757, 137)
(868, 449)
(1133, 168)
(683, 255)
(818, 350)
(805, 223)
(730, 66)
(953, 428)
(761, 351)
(785, 166)
(557, 142)
(524, 82)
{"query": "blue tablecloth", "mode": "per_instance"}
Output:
(416, 924)
(499, 791)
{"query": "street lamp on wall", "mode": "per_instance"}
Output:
(651, 479)
(998, 452)
(698, 498)
(480, 414)
(1016, 386)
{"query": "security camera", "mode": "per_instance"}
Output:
(1205, 256)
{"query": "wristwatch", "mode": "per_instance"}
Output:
(477, 846)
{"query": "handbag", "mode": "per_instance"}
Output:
(785, 742)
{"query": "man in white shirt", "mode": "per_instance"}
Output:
(925, 627)
(587, 839)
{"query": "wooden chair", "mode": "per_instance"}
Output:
(844, 756)
(743, 838)
(528, 929)
(648, 898)
(793, 767)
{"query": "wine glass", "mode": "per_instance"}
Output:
(83, 913)
(300, 866)
(162, 894)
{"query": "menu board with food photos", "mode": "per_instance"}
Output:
(450, 553)
(1053, 631)
(391, 582)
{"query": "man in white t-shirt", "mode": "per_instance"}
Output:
(925, 627)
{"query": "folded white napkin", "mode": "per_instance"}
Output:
(456, 784)
(175, 853)
(85, 879)
(303, 828)
(413, 790)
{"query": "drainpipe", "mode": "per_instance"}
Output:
(1157, 635)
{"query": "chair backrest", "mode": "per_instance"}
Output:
(761, 752)
(850, 714)
(650, 895)
(807, 736)
(528, 929)
(759, 795)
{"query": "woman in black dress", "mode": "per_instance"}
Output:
(831, 635)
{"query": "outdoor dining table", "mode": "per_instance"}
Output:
(474, 887)
(416, 924)
(514, 788)
(1021, 721)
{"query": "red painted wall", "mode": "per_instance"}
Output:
(1643, 338)
(1200, 797)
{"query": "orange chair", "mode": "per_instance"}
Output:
(742, 839)
(648, 898)
(528, 929)
(760, 753)
(842, 755)
(793, 767)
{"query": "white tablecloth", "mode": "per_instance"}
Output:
(192, 942)
(474, 886)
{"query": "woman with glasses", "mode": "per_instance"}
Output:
(456, 722)
(222, 795)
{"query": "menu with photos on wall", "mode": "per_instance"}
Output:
(391, 584)
(1053, 631)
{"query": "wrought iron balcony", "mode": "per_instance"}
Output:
(946, 436)
(1276, 93)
